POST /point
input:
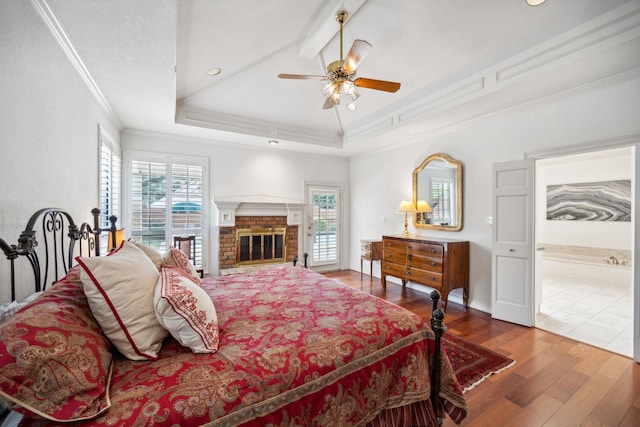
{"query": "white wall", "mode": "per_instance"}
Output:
(593, 167)
(379, 181)
(242, 171)
(49, 130)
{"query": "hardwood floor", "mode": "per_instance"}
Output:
(555, 382)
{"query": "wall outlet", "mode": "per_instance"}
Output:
(490, 220)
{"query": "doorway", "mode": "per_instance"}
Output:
(323, 240)
(583, 275)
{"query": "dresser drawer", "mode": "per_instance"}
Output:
(425, 249)
(425, 277)
(394, 256)
(396, 270)
(426, 263)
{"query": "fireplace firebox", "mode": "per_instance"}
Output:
(260, 245)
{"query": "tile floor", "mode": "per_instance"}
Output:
(591, 306)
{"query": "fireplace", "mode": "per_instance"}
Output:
(258, 229)
(260, 245)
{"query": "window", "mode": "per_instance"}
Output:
(110, 184)
(167, 199)
(443, 200)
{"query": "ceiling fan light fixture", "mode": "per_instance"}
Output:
(329, 89)
(214, 71)
(535, 2)
(351, 106)
(348, 88)
(341, 73)
(335, 97)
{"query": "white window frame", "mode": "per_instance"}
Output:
(169, 159)
(112, 164)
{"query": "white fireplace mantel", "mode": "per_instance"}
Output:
(257, 205)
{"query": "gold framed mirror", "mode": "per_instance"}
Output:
(437, 193)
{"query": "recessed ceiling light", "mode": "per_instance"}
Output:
(214, 71)
(535, 2)
(273, 142)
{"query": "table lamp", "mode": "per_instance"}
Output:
(423, 209)
(406, 207)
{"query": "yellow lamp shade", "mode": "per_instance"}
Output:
(423, 206)
(406, 207)
(118, 239)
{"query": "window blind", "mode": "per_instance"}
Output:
(166, 201)
(110, 171)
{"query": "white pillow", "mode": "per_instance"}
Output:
(119, 289)
(154, 255)
(9, 309)
(175, 257)
(186, 311)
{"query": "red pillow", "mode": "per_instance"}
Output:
(54, 360)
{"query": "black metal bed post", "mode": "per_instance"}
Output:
(439, 328)
(11, 254)
(113, 231)
(96, 230)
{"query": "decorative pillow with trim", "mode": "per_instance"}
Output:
(186, 311)
(55, 361)
(120, 290)
(175, 257)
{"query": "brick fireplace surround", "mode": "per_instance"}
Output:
(257, 211)
(228, 244)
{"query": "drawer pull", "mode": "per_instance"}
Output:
(432, 278)
(433, 264)
(388, 255)
(408, 257)
(408, 272)
(433, 250)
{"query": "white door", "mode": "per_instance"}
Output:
(323, 227)
(513, 242)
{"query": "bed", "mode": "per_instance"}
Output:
(282, 346)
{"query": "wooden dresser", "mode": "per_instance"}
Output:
(442, 264)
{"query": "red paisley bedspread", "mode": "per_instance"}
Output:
(296, 349)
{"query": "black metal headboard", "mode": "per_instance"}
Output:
(50, 241)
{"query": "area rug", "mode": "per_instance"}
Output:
(471, 362)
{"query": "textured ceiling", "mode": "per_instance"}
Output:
(150, 58)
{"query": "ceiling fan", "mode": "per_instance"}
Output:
(341, 74)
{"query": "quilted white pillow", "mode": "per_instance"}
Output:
(119, 289)
(186, 311)
(175, 257)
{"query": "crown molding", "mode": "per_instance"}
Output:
(232, 123)
(48, 17)
(545, 67)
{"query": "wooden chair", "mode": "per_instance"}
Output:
(187, 244)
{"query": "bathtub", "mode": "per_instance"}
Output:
(600, 265)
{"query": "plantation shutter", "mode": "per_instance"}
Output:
(149, 203)
(167, 196)
(442, 200)
(187, 199)
(110, 171)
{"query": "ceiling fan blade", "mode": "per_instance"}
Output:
(377, 84)
(359, 50)
(301, 77)
(328, 104)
